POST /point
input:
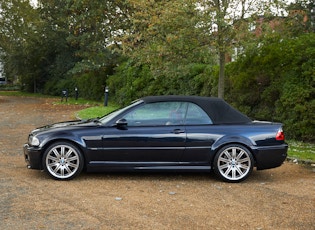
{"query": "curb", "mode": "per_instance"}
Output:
(300, 161)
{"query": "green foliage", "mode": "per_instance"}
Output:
(44, 48)
(165, 36)
(296, 105)
(131, 81)
(91, 85)
(18, 41)
(277, 82)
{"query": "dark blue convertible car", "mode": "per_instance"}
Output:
(160, 133)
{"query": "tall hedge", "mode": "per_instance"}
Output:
(276, 81)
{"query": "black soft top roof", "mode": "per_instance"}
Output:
(218, 110)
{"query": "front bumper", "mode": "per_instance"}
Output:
(270, 156)
(32, 156)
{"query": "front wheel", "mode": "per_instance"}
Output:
(63, 161)
(233, 163)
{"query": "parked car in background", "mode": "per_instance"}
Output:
(2, 80)
(160, 133)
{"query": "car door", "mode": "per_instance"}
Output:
(199, 137)
(152, 134)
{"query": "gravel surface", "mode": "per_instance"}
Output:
(281, 198)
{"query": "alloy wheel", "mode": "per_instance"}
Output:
(63, 161)
(233, 163)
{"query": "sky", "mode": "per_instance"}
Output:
(33, 2)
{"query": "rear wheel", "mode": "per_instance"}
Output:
(233, 163)
(63, 161)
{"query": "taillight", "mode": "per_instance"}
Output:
(280, 135)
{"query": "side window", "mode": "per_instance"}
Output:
(197, 116)
(157, 114)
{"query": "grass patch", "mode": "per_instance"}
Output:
(97, 111)
(301, 150)
(80, 101)
(20, 94)
(70, 101)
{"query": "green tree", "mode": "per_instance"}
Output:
(222, 20)
(164, 36)
(20, 27)
(296, 105)
(44, 47)
(301, 17)
(169, 34)
(95, 31)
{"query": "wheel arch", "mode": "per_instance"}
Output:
(230, 140)
(66, 140)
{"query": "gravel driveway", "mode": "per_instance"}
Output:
(281, 198)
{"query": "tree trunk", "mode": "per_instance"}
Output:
(221, 75)
(34, 85)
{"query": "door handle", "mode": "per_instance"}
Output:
(178, 131)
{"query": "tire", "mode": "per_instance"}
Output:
(63, 161)
(233, 163)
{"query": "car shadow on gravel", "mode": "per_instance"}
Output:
(263, 176)
(255, 177)
(167, 176)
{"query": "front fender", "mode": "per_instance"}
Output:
(62, 136)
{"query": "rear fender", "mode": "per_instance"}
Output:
(225, 140)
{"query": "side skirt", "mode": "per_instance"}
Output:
(110, 166)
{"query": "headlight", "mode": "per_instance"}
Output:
(33, 141)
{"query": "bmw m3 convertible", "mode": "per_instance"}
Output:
(160, 133)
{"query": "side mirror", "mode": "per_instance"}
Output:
(121, 123)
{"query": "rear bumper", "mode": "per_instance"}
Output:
(32, 156)
(270, 156)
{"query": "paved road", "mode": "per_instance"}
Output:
(282, 198)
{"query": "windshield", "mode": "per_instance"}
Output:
(104, 120)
